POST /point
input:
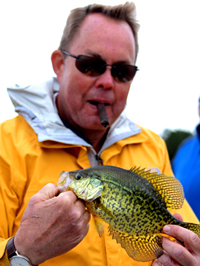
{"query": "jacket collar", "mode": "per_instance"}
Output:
(36, 103)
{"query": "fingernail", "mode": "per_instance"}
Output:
(157, 263)
(166, 229)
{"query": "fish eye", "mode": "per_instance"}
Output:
(78, 176)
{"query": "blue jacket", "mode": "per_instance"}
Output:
(186, 167)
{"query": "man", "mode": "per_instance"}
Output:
(186, 167)
(63, 132)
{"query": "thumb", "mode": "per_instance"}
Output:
(48, 192)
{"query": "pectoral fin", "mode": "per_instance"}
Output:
(99, 225)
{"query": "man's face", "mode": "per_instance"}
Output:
(111, 41)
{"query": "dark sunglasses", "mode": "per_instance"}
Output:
(92, 66)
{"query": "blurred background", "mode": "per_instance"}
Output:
(164, 94)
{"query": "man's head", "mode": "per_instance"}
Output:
(101, 37)
(126, 12)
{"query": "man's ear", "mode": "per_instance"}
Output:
(57, 63)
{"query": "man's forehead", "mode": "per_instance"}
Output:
(103, 32)
(95, 20)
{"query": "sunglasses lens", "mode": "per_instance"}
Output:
(123, 73)
(90, 66)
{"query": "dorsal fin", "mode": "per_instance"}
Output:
(168, 187)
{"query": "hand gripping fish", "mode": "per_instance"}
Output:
(133, 202)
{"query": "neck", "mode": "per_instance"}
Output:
(97, 138)
(94, 137)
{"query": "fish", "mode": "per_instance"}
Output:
(133, 202)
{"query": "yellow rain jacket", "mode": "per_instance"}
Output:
(29, 160)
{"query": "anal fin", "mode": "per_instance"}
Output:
(139, 248)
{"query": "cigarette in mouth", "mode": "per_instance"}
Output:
(102, 114)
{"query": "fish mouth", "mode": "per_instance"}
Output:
(64, 181)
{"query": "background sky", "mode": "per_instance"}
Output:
(164, 94)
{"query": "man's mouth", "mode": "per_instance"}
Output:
(96, 103)
(101, 108)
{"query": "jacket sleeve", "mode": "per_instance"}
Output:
(11, 192)
(3, 256)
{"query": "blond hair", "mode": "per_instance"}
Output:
(125, 12)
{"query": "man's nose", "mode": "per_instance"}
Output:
(105, 80)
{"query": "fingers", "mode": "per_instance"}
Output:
(178, 216)
(61, 219)
(76, 208)
(47, 192)
(176, 254)
(156, 263)
(50, 190)
(189, 238)
(68, 197)
(64, 201)
(166, 260)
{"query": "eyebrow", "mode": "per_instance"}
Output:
(96, 55)
(93, 54)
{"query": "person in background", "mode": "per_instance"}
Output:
(186, 167)
(58, 128)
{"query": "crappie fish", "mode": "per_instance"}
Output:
(133, 202)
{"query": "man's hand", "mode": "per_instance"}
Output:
(177, 254)
(51, 225)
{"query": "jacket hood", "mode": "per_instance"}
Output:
(36, 103)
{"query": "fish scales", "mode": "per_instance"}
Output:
(127, 208)
(133, 202)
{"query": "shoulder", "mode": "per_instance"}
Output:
(146, 149)
(16, 132)
(150, 137)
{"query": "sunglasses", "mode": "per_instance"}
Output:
(92, 66)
